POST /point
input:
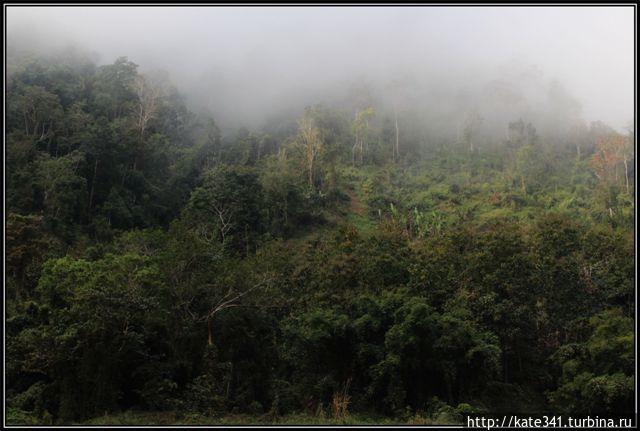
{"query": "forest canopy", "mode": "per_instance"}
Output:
(356, 261)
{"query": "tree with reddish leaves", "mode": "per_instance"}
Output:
(605, 162)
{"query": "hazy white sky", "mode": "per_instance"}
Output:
(260, 53)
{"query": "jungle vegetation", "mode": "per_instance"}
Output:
(338, 264)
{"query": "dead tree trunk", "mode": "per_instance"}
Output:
(227, 301)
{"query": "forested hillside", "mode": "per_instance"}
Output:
(341, 264)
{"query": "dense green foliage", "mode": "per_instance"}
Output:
(154, 264)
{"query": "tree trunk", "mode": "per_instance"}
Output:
(626, 173)
(366, 141)
(396, 152)
(229, 381)
(26, 123)
(210, 331)
(355, 145)
(93, 183)
(353, 154)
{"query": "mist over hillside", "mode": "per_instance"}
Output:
(549, 65)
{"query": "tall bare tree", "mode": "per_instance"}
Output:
(148, 102)
(361, 127)
(310, 138)
(233, 298)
